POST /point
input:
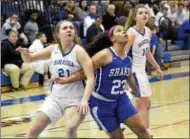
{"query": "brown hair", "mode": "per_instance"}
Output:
(132, 14)
(76, 38)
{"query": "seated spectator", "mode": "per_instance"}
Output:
(166, 28)
(90, 19)
(94, 29)
(71, 10)
(13, 64)
(184, 34)
(180, 14)
(31, 28)
(156, 50)
(13, 24)
(109, 19)
(82, 10)
(42, 66)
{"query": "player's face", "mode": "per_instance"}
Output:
(66, 31)
(120, 35)
(142, 16)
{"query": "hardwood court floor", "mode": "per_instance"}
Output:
(169, 112)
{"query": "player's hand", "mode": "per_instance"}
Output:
(59, 80)
(22, 50)
(83, 108)
(160, 73)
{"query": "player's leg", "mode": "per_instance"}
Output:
(72, 117)
(143, 103)
(105, 116)
(40, 123)
(127, 114)
(49, 112)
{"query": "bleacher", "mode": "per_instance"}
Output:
(173, 56)
(6, 82)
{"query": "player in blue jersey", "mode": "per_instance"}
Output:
(109, 103)
(139, 45)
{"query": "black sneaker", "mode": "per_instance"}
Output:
(15, 89)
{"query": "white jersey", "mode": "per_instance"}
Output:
(64, 65)
(139, 49)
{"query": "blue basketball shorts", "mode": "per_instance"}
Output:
(109, 115)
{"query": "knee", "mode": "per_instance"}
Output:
(15, 70)
(144, 103)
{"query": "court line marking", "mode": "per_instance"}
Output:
(42, 96)
(50, 129)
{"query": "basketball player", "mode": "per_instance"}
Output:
(109, 103)
(71, 99)
(139, 47)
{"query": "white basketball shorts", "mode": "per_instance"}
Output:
(142, 82)
(54, 107)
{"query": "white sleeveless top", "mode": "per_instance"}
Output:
(64, 65)
(139, 49)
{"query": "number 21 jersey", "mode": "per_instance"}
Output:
(64, 65)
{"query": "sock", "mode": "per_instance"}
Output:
(148, 129)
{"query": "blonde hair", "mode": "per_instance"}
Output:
(132, 14)
(76, 38)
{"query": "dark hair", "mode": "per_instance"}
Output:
(101, 42)
(151, 26)
(80, 5)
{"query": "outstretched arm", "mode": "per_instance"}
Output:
(40, 55)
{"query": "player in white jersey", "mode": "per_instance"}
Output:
(70, 99)
(139, 46)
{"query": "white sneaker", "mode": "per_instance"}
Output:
(123, 126)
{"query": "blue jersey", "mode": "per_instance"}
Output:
(111, 79)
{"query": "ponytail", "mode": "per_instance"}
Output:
(130, 20)
(101, 42)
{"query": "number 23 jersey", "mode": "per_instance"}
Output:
(64, 65)
(111, 79)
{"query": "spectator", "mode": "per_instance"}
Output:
(94, 29)
(101, 10)
(172, 15)
(90, 19)
(82, 10)
(13, 64)
(180, 14)
(109, 19)
(13, 24)
(42, 66)
(71, 10)
(31, 28)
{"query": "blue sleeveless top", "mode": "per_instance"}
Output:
(111, 79)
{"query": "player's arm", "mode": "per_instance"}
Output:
(40, 55)
(87, 66)
(151, 60)
(132, 84)
(131, 38)
(98, 60)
